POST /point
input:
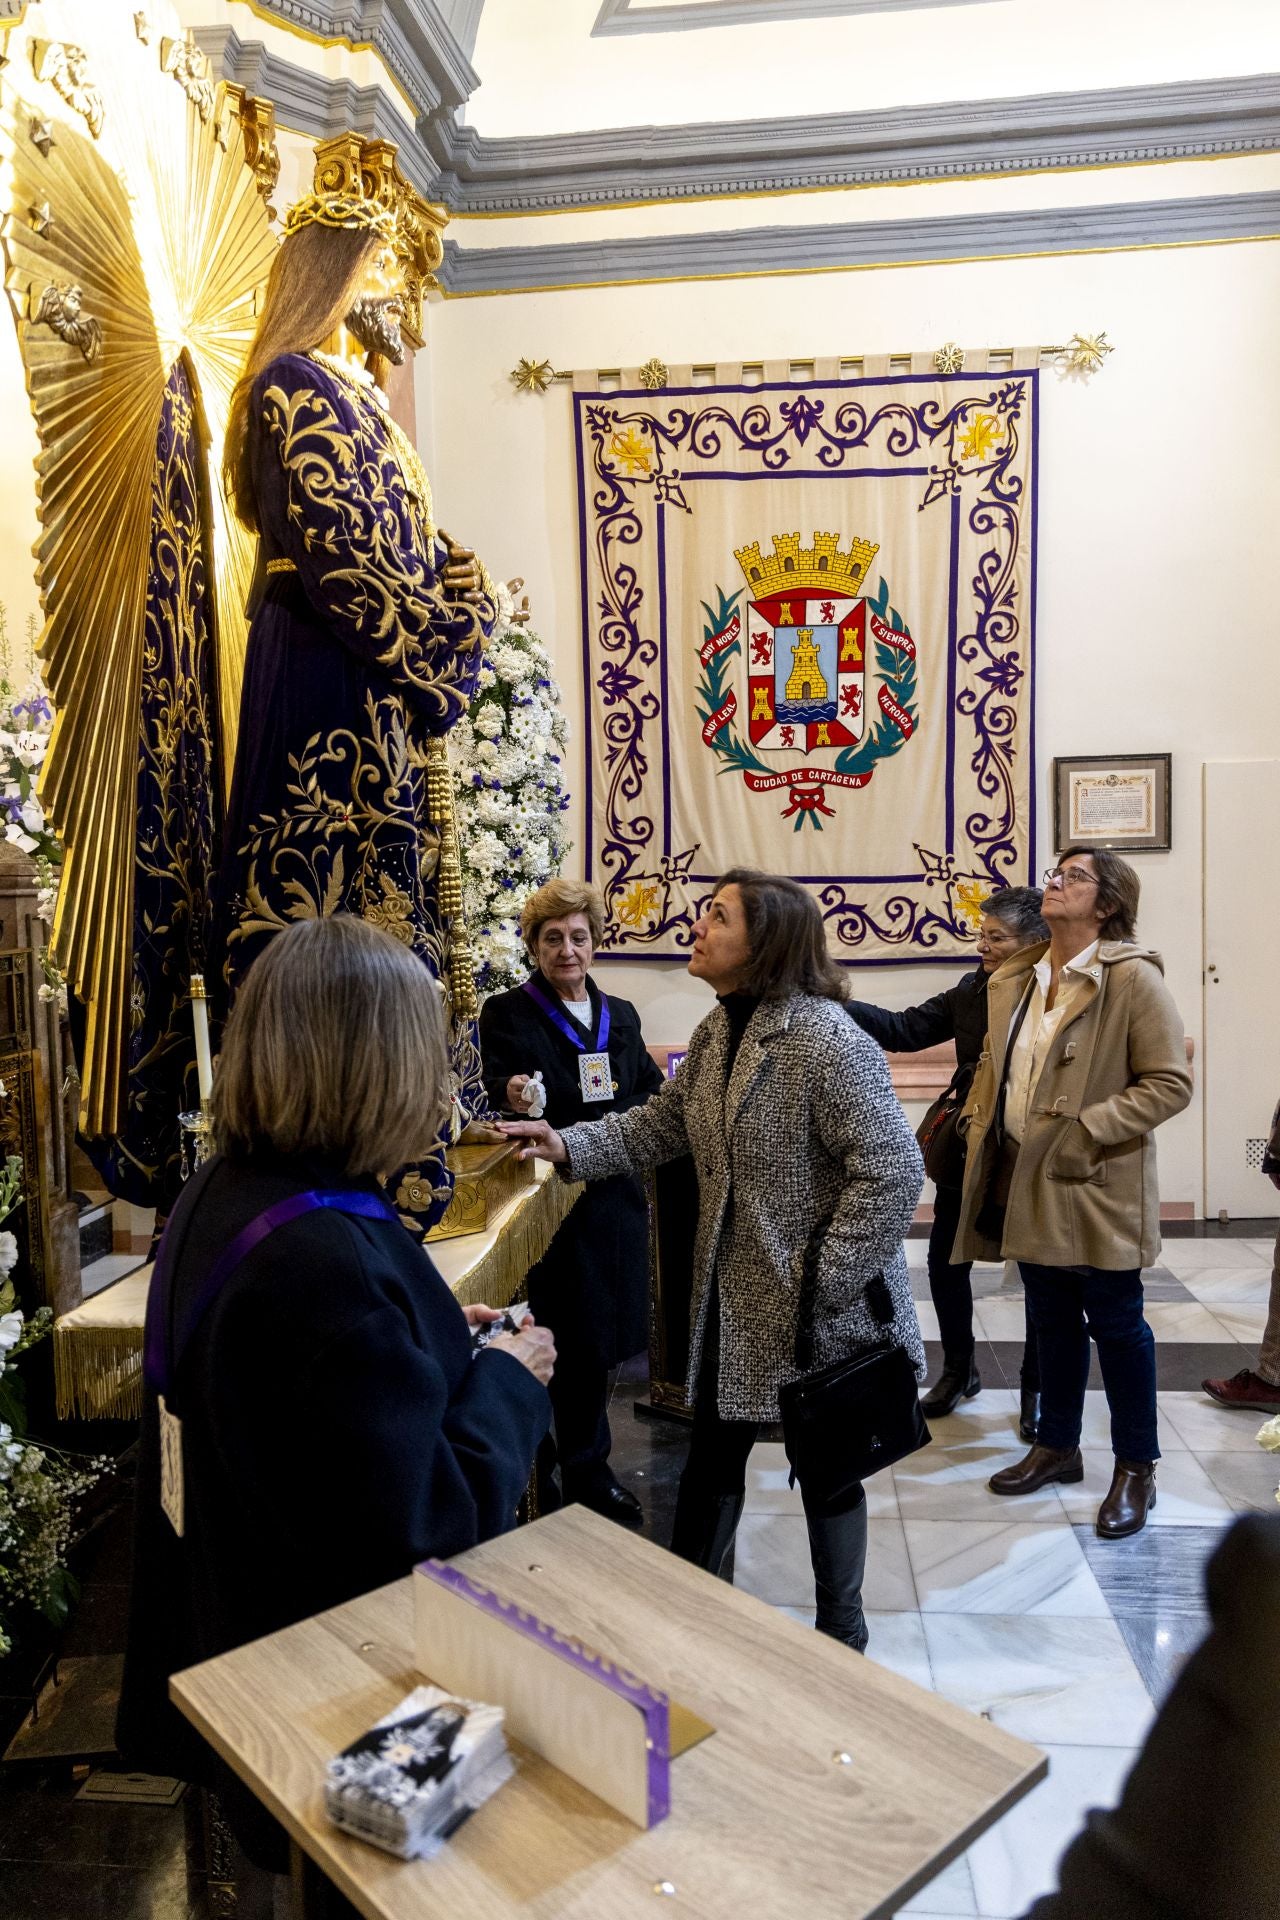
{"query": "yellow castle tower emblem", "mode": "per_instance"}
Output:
(806, 680)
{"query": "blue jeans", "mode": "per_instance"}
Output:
(1067, 1306)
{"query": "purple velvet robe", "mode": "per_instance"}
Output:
(355, 658)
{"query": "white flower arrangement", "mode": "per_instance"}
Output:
(39, 1485)
(508, 758)
(26, 724)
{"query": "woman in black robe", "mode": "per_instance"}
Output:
(592, 1285)
(334, 1427)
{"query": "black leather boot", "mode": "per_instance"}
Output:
(1029, 1414)
(838, 1547)
(704, 1526)
(958, 1381)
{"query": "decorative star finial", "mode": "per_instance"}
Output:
(42, 135)
(533, 376)
(142, 27)
(654, 374)
(949, 358)
(1087, 352)
(41, 217)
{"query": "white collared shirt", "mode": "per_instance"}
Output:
(1035, 1035)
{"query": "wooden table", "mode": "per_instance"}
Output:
(766, 1822)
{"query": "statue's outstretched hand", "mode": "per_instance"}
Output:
(520, 615)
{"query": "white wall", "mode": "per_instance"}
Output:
(1160, 499)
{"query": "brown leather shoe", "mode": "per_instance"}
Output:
(1039, 1468)
(1130, 1500)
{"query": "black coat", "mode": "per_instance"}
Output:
(592, 1285)
(959, 1013)
(1196, 1835)
(335, 1431)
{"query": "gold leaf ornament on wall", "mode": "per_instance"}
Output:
(156, 243)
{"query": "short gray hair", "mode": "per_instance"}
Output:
(1019, 908)
(335, 1048)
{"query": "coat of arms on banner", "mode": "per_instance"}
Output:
(801, 646)
(808, 611)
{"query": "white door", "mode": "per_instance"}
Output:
(1241, 1061)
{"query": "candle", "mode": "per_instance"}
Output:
(200, 1017)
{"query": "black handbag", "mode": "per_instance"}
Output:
(847, 1421)
(939, 1136)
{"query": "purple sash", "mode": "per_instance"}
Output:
(160, 1361)
(558, 1018)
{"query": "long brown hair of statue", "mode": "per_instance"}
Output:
(312, 287)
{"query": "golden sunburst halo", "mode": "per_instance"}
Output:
(160, 232)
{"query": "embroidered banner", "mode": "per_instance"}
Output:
(808, 629)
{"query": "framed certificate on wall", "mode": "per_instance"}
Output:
(1118, 800)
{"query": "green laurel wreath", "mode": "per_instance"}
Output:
(897, 672)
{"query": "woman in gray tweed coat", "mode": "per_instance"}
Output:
(792, 1121)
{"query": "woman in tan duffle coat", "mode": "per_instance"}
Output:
(1085, 1057)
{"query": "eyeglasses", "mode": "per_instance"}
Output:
(1069, 876)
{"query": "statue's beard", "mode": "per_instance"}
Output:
(376, 325)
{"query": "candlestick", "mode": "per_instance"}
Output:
(200, 1019)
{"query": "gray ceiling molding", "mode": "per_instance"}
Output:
(625, 16)
(1034, 133)
(311, 104)
(880, 243)
(463, 17)
(416, 38)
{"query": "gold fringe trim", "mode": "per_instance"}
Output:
(97, 1372)
(499, 1276)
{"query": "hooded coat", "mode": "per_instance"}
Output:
(801, 1139)
(1084, 1190)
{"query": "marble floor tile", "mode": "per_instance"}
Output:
(1159, 1284)
(1185, 1256)
(1001, 1317)
(950, 1483)
(1160, 1648)
(1002, 1567)
(1182, 1320)
(1185, 1495)
(1248, 1481)
(1244, 1322)
(950, 1893)
(927, 1315)
(1205, 1427)
(1069, 1681)
(1265, 1249)
(107, 1269)
(988, 1419)
(1156, 1574)
(768, 1491)
(771, 1560)
(897, 1642)
(1230, 1286)
(1017, 1859)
